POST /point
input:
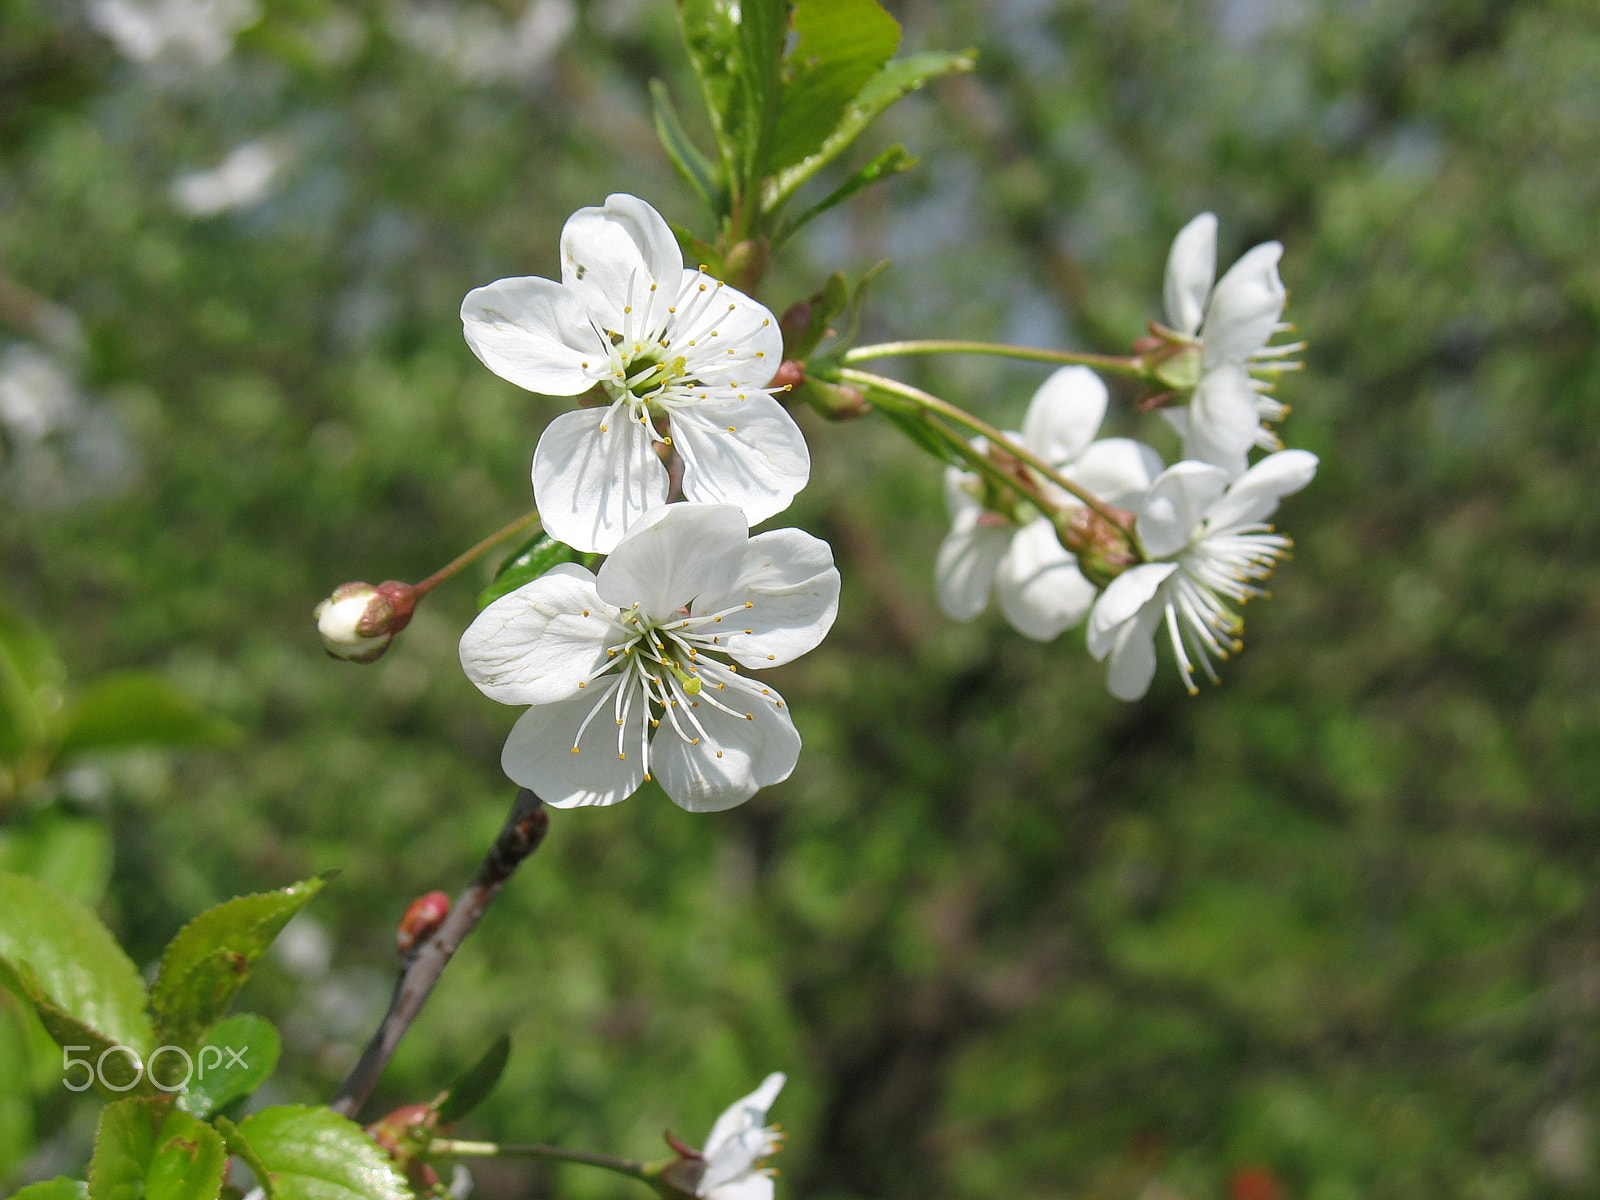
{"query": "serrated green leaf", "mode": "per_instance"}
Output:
(207, 963)
(59, 1188)
(124, 1144)
(56, 954)
(475, 1083)
(695, 167)
(238, 1056)
(734, 48)
(146, 1151)
(896, 80)
(188, 1162)
(892, 161)
(70, 854)
(529, 561)
(240, 1148)
(315, 1154)
(136, 708)
(839, 46)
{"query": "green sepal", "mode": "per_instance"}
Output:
(221, 1077)
(56, 954)
(204, 967)
(891, 162)
(698, 170)
(839, 46)
(315, 1154)
(474, 1084)
(897, 79)
(525, 564)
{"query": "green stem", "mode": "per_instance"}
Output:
(932, 404)
(622, 1166)
(461, 560)
(1106, 362)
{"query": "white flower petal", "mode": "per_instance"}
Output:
(1245, 307)
(1191, 266)
(595, 474)
(789, 580)
(535, 645)
(1133, 659)
(534, 333)
(1176, 505)
(1127, 594)
(673, 555)
(1064, 415)
(748, 1187)
(1042, 592)
(1118, 470)
(749, 453)
(965, 568)
(736, 758)
(962, 505)
(1254, 495)
(538, 754)
(1224, 418)
(745, 1113)
(726, 338)
(611, 255)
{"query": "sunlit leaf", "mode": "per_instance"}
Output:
(529, 561)
(315, 1154)
(839, 46)
(238, 1056)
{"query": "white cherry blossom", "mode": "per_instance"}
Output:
(1233, 322)
(1208, 548)
(637, 671)
(680, 358)
(1015, 553)
(739, 1142)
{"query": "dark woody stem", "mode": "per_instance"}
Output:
(527, 520)
(932, 404)
(622, 1166)
(1106, 362)
(520, 836)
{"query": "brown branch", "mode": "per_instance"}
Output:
(523, 831)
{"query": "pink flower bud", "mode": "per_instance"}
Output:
(421, 921)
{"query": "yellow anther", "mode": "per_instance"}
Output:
(583, 685)
(730, 428)
(749, 716)
(772, 658)
(586, 612)
(621, 756)
(647, 776)
(574, 749)
(695, 742)
(602, 429)
(767, 321)
(749, 604)
(719, 753)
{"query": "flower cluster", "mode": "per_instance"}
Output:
(1193, 538)
(634, 673)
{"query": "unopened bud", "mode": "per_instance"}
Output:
(421, 921)
(791, 374)
(359, 621)
(404, 1135)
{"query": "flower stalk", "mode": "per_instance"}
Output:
(1134, 365)
(526, 521)
(932, 404)
(465, 1149)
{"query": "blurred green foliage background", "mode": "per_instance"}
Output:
(1330, 931)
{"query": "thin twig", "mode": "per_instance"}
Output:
(622, 1166)
(461, 560)
(523, 831)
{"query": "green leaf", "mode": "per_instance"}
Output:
(57, 954)
(136, 708)
(529, 561)
(123, 1147)
(694, 166)
(892, 161)
(189, 1160)
(135, 1158)
(16, 1090)
(207, 963)
(237, 1057)
(70, 854)
(30, 679)
(840, 45)
(243, 1150)
(474, 1084)
(734, 48)
(59, 1188)
(315, 1154)
(890, 84)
